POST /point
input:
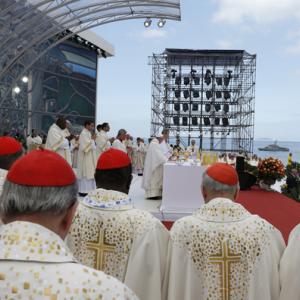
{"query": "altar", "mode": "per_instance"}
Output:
(181, 189)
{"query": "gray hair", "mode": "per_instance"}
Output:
(20, 199)
(216, 187)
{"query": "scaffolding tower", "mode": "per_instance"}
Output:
(205, 94)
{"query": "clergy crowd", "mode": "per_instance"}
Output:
(57, 245)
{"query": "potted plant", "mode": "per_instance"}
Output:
(269, 170)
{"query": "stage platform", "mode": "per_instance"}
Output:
(279, 210)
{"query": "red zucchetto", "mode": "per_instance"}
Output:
(223, 173)
(113, 159)
(41, 168)
(9, 145)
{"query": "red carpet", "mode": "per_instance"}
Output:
(279, 210)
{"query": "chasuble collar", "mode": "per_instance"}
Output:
(107, 200)
(25, 241)
(222, 210)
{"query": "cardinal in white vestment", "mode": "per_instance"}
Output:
(290, 266)
(10, 151)
(57, 139)
(153, 170)
(109, 234)
(119, 142)
(102, 140)
(222, 251)
(37, 211)
(33, 141)
(86, 163)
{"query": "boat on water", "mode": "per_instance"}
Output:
(274, 148)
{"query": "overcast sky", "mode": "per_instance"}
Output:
(268, 28)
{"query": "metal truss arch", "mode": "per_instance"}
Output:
(25, 38)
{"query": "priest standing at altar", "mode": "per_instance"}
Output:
(222, 251)
(109, 234)
(166, 148)
(153, 170)
(86, 163)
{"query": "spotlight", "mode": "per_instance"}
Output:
(173, 71)
(25, 79)
(207, 77)
(185, 107)
(17, 90)
(161, 23)
(147, 22)
(186, 80)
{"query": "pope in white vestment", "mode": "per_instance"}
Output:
(108, 234)
(153, 170)
(57, 142)
(222, 251)
(290, 266)
(35, 264)
(86, 163)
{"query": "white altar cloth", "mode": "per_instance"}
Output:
(181, 189)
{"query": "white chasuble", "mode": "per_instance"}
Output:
(117, 144)
(57, 142)
(290, 267)
(3, 174)
(153, 170)
(35, 264)
(102, 143)
(138, 157)
(86, 156)
(108, 234)
(222, 252)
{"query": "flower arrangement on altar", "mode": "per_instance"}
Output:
(270, 169)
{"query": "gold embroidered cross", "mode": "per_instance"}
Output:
(100, 248)
(224, 259)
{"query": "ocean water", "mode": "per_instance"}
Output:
(283, 156)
